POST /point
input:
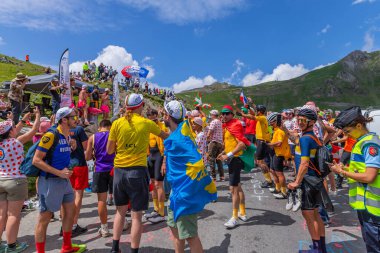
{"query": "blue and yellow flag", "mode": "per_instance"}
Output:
(192, 186)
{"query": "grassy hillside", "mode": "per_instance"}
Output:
(10, 66)
(353, 80)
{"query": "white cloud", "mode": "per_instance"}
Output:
(146, 58)
(187, 11)
(2, 41)
(238, 66)
(348, 44)
(193, 82)
(362, 1)
(280, 73)
(114, 56)
(53, 15)
(325, 29)
(369, 41)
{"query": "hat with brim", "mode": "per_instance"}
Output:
(198, 121)
(175, 109)
(5, 126)
(227, 108)
(54, 80)
(20, 76)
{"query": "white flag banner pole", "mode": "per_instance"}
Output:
(64, 79)
(116, 96)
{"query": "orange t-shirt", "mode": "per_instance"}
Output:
(349, 144)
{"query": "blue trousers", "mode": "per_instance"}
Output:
(370, 226)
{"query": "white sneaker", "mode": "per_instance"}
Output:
(151, 215)
(157, 219)
(243, 217)
(289, 205)
(127, 225)
(104, 232)
(279, 195)
(231, 223)
(272, 189)
(297, 205)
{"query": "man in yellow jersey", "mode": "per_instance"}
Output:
(234, 143)
(155, 159)
(262, 138)
(282, 151)
(129, 137)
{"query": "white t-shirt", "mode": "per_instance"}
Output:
(11, 157)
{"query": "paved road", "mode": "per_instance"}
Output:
(270, 228)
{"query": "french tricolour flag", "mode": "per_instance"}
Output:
(243, 98)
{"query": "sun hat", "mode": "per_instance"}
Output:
(175, 109)
(20, 76)
(54, 80)
(198, 121)
(214, 112)
(63, 112)
(5, 126)
(227, 108)
(133, 101)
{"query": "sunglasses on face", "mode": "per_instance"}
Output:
(226, 113)
(303, 120)
(72, 117)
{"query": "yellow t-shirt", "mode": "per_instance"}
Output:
(230, 143)
(154, 140)
(262, 132)
(132, 140)
(284, 149)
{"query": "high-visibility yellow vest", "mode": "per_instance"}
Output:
(364, 196)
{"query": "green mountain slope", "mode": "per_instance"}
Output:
(354, 80)
(10, 66)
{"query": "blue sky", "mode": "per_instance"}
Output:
(191, 43)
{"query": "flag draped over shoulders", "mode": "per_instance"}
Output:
(192, 186)
(236, 129)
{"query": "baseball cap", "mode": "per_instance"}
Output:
(84, 86)
(134, 101)
(194, 113)
(227, 108)
(198, 121)
(245, 110)
(214, 112)
(175, 109)
(62, 112)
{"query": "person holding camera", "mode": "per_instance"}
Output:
(16, 93)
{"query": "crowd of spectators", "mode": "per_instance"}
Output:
(91, 73)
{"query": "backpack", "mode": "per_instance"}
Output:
(323, 156)
(27, 168)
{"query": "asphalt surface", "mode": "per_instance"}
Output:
(270, 228)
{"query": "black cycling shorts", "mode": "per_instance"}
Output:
(278, 163)
(234, 168)
(154, 165)
(311, 196)
(262, 149)
(102, 182)
(131, 184)
(251, 138)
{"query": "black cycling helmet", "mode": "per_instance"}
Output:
(261, 108)
(308, 113)
(347, 117)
